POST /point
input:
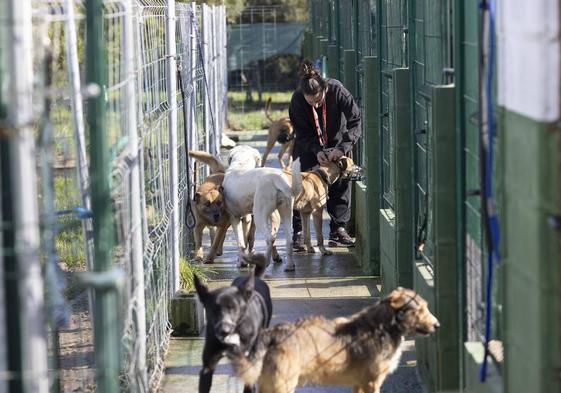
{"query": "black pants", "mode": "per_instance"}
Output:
(338, 202)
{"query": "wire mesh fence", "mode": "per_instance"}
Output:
(151, 122)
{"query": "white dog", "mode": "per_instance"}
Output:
(260, 191)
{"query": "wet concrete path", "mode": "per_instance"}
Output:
(328, 285)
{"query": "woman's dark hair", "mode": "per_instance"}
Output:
(311, 81)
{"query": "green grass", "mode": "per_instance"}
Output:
(69, 241)
(244, 115)
(187, 271)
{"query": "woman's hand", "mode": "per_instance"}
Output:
(322, 158)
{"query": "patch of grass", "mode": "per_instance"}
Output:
(244, 115)
(187, 271)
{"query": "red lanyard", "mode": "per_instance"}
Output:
(322, 136)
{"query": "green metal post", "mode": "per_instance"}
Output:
(350, 82)
(107, 342)
(11, 289)
(350, 75)
(332, 61)
(323, 55)
(460, 178)
(371, 89)
(323, 46)
(338, 38)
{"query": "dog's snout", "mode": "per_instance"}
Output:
(216, 217)
(436, 324)
(224, 329)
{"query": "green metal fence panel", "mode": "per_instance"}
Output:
(371, 161)
(396, 236)
(431, 57)
(439, 251)
(394, 25)
(471, 206)
(532, 274)
(333, 61)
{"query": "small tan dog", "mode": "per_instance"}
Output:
(360, 351)
(208, 207)
(281, 131)
(313, 198)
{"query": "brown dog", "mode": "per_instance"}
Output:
(313, 198)
(281, 131)
(359, 351)
(208, 207)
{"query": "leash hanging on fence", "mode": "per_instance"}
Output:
(189, 216)
(489, 210)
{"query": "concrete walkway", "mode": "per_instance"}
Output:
(331, 285)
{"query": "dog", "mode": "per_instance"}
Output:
(209, 208)
(360, 350)
(236, 316)
(313, 198)
(281, 131)
(260, 191)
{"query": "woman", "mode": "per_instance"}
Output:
(326, 123)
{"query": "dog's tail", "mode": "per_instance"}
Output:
(258, 260)
(268, 110)
(296, 178)
(214, 163)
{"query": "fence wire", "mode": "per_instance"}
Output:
(138, 126)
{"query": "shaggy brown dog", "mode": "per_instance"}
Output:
(281, 130)
(360, 350)
(313, 198)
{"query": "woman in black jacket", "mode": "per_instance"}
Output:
(318, 103)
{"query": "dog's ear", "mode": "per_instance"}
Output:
(202, 289)
(247, 287)
(197, 196)
(396, 298)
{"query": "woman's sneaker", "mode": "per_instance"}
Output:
(340, 238)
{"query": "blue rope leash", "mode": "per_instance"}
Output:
(492, 219)
(78, 211)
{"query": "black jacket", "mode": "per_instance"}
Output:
(343, 123)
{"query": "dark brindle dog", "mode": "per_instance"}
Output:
(360, 350)
(236, 316)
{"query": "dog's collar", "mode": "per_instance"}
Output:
(396, 320)
(322, 175)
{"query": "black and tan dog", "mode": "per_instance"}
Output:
(280, 131)
(313, 198)
(360, 351)
(236, 316)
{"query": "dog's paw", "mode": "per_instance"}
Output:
(311, 249)
(199, 257)
(208, 261)
(325, 251)
(277, 259)
(290, 268)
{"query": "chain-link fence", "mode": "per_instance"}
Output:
(151, 121)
